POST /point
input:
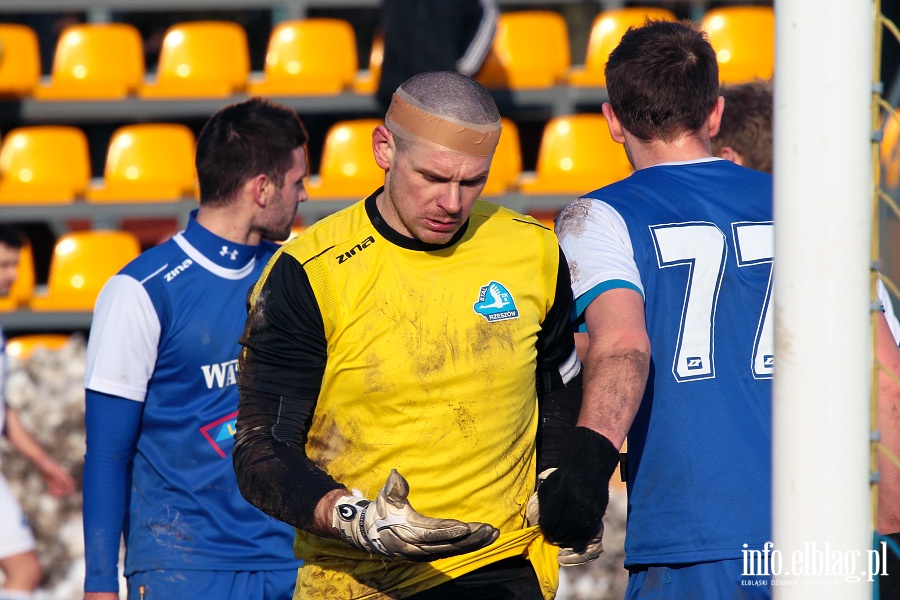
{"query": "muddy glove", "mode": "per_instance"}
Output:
(389, 526)
(567, 557)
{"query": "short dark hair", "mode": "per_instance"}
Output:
(242, 141)
(10, 236)
(747, 124)
(662, 79)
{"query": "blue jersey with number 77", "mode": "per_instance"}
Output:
(696, 240)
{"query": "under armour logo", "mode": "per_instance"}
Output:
(225, 252)
(346, 511)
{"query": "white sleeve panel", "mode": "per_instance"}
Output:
(122, 347)
(885, 298)
(596, 242)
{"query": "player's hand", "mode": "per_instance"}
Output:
(567, 556)
(59, 481)
(390, 526)
(573, 498)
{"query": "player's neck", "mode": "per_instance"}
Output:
(688, 146)
(228, 223)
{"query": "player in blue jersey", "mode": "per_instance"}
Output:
(160, 382)
(671, 270)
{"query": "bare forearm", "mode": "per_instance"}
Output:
(24, 443)
(889, 424)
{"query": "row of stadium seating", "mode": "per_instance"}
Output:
(154, 162)
(318, 56)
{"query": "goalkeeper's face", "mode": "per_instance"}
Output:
(429, 190)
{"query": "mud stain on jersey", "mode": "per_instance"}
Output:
(571, 221)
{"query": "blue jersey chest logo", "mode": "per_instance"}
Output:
(495, 303)
(220, 433)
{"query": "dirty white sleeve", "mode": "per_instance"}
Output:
(597, 245)
(122, 347)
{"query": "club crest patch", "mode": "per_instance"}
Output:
(495, 303)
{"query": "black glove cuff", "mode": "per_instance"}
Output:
(592, 452)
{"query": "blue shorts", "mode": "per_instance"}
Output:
(719, 579)
(221, 585)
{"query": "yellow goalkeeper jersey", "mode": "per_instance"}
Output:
(431, 362)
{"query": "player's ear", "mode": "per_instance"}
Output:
(729, 153)
(615, 127)
(715, 116)
(258, 188)
(383, 147)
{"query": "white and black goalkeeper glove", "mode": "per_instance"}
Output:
(567, 556)
(389, 526)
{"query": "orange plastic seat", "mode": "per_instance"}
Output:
(95, 61)
(20, 61)
(576, 155)
(366, 82)
(530, 51)
(606, 32)
(201, 59)
(309, 57)
(23, 287)
(348, 168)
(506, 167)
(150, 162)
(22, 347)
(744, 40)
(890, 153)
(44, 164)
(82, 263)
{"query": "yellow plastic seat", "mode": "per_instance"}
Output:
(606, 32)
(95, 61)
(201, 59)
(744, 40)
(309, 57)
(348, 168)
(81, 264)
(576, 155)
(22, 347)
(150, 162)
(530, 51)
(44, 164)
(506, 167)
(20, 62)
(366, 82)
(23, 287)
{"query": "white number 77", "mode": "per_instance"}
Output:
(701, 246)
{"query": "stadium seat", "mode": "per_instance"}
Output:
(21, 347)
(530, 51)
(744, 40)
(23, 287)
(81, 264)
(576, 155)
(606, 31)
(348, 168)
(95, 62)
(507, 163)
(366, 82)
(20, 61)
(309, 57)
(44, 164)
(201, 59)
(150, 162)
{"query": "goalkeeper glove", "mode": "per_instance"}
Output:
(389, 526)
(567, 556)
(574, 497)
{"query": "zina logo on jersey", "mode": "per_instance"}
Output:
(495, 303)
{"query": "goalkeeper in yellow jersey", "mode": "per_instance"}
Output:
(408, 369)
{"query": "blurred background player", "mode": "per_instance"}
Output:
(745, 133)
(161, 381)
(401, 338)
(634, 247)
(435, 35)
(18, 559)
